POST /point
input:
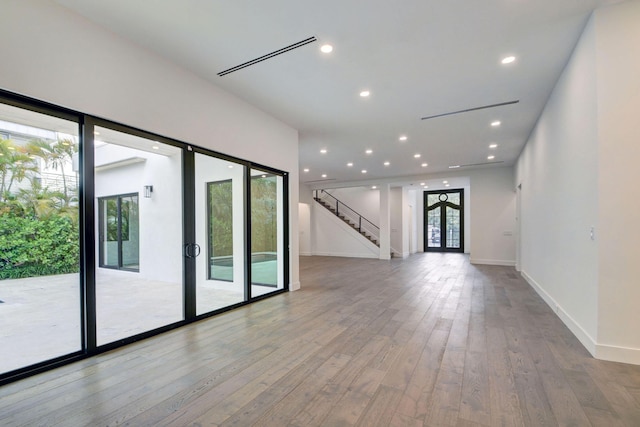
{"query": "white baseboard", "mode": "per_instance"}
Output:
(305, 253)
(492, 262)
(294, 286)
(608, 352)
(614, 353)
(587, 341)
(347, 255)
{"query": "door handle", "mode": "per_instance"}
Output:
(191, 250)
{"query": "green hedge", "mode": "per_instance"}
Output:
(37, 247)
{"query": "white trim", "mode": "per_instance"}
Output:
(305, 253)
(618, 354)
(294, 286)
(347, 255)
(493, 262)
(587, 341)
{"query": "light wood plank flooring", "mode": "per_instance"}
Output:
(430, 340)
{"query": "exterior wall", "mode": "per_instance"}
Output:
(160, 217)
(69, 61)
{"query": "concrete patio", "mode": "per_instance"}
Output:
(40, 316)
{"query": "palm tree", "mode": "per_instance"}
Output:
(56, 154)
(15, 164)
(41, 202)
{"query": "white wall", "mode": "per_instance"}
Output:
(578, 171)
(160, 252)
(304, 215)
(558, 174)
(618, 228)
(492, 210)
(363, 200)
(332, 237)
(57, 56)
(395, 196)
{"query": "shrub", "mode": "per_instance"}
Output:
(37, 247)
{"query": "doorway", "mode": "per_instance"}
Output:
(444, 221)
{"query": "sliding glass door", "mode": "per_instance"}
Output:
(267, 237)
(219, 234)
(40, 287)
(110, 234)
(138, 190)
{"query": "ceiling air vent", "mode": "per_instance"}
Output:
(502, 104)
(267, 56)
(481, 164)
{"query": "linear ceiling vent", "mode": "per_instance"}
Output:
(481, 164)
(319, 180)
(267, 56)
(502, 104)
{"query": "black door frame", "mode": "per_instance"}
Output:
(443, 204)
(87, 232)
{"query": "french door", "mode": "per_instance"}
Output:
(444, 221)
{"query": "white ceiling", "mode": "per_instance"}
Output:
(417, 57)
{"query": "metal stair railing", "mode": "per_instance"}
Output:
(348, 215)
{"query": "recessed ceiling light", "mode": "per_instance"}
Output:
(326, 48)
(491, 157)
(493, 146)
(496, 123)
(387, 163)
(323, 151)
(373, 187)
(422, 183)
(324, 175)
(426, 186)
(365, 93)
(230, 166)
(446, 185)
(445, 182)
(417, 156)
(364, 171)
(369, 151)
(306, 170)
(155, 147)
(95, 132)
(349, 164)
(263, 176)
(508, 59)
(403, 138)
(424, 165)
(454, 166)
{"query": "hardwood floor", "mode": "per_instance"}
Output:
(430, 340)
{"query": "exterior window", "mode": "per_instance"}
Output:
(119, 232)
(220, 225)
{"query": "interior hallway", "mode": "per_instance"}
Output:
(429, 340)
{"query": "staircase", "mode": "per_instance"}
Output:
(356, 221)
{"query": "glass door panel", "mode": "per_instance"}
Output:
(138, 189)
(433, 228)
(40, 311)
(267, 242)
(220, 219)
(444, 213)
(453, 228)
